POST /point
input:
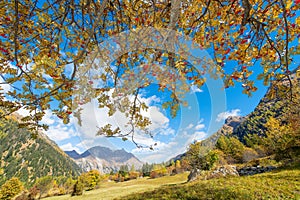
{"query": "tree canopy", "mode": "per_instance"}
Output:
(10, 188)
(59, 55)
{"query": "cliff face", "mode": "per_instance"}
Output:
(231, 124)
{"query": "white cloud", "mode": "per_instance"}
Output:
(70, 147)
(166, 151)
(185, 133)
(199, 127)
(94, 117)
(161, 149)
(164, 131)
(177, 145)
(224, 115)
(60, 131)
(48, 118)
(23, 112)
(190, 126)
(158, 119)
(199, 135)
(150, 100)
(147, 142)
(5, 87)
(86, 143)
(195, 89)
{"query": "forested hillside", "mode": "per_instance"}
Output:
(29, 158)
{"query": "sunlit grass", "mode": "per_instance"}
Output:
(273, 185)
(111, 190)
(279, 184)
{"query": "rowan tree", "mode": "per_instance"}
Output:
(49, 47)
(93, 179)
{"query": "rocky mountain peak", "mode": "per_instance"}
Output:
(234, 121)
(104, 159)
(231, 123)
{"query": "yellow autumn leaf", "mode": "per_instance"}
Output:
(297, 21)
(289, 4)
(55, 37)
(219, 60)
(298, 73)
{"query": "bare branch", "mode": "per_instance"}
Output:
(247, 6)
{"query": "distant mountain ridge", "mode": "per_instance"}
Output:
(73, 154)
(104, 159)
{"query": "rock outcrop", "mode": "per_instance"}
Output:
(246, 171)
(226, 170)
(193, 175)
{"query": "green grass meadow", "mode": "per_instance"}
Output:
(273, 185)
(279, 184)
(112, 190)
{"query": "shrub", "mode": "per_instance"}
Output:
(90, 179)
(78, 188)
(33, 192)
(93, 178)
(114, 177)
(44, 184)
(154, 174)
(133, 175)
(232, 148)
(24, 196)
(209, 160)
(69, 185)
(10, 188)
(249, 154)
(158, 171)
(221, 157)
(261, 151)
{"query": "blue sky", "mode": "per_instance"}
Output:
(207, 109)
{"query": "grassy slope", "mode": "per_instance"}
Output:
(280, 184)
(283, 184)
(111, 190)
